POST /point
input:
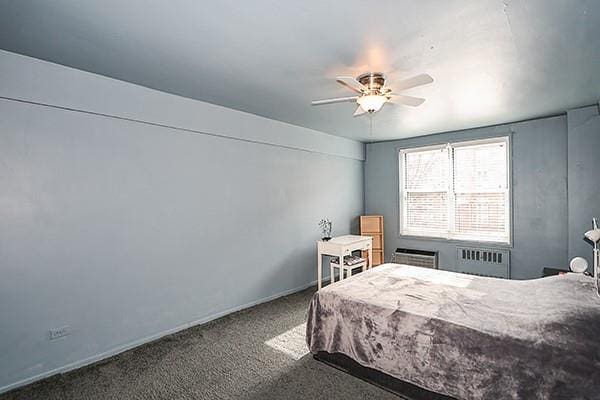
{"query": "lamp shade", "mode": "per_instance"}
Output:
(371, 103)
(593, 235)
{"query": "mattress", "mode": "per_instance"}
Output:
(465, 336)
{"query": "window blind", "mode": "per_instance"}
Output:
(426, 187)
(457, 191)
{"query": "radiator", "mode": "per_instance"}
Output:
(419, 258)
(483, 262)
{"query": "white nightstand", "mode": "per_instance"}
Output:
(339, 247)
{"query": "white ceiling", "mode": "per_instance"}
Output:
(492, 61)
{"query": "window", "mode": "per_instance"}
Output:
(456, 191)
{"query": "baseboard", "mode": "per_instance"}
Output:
(148, 339)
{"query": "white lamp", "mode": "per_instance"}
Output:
(593, 236)
(371, 103)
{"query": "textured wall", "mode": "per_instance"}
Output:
(539, 176)
(125, 230)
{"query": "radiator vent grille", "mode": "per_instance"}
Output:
(490, 256)
(484, 262)
(418, 258)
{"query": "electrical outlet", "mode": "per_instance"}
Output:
(60, 332)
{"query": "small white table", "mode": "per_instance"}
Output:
(339, 247)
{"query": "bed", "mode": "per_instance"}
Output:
(450, 335)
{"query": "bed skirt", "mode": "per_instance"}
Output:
(405, 390)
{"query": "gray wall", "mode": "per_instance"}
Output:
(539, 176)
(584, 177)
(140, 213)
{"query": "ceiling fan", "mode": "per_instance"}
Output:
(373, 93)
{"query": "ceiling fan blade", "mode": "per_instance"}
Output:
(359, 111)
(407, 100)
(422, 79)
(336, 100)
(352, 83)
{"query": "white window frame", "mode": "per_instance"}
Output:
(449, 235)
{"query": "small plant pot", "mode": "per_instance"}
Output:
(326, 239)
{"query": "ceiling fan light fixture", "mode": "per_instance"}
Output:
(371, 103)
(372, 92)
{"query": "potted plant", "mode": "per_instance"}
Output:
(325, 225)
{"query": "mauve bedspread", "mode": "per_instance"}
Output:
(465, 336)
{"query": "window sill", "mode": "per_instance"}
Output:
(468, 243)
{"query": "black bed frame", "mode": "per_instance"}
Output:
(396, 386)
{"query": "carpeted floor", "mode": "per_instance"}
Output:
(255, 354)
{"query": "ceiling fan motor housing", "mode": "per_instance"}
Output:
(374, 81)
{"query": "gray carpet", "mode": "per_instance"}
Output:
(223, 359)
